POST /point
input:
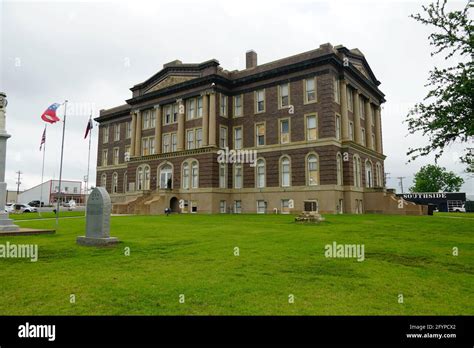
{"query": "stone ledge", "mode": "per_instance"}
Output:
(26, 232)
(89, 241)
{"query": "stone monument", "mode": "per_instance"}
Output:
(98, 212)
(6, 224)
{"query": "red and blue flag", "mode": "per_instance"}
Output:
(50, 114)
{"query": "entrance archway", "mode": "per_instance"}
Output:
(174, 205)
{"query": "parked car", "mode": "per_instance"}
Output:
(8, 207)
(460, 209)
(25, 208)
(36, 203)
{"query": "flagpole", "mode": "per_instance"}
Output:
(89, 156)
(61, 164)
(42, 171)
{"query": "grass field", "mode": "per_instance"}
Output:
(194, 255)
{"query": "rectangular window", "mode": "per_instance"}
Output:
(260, 134)
(116, 155)
(350, 100)
(237, 176)
(148, 146)
(128, 129)
(190, 139)
(238, 141)
(166, 143)
(310, 90)
(362, 108)
(351, 130)
(146, 119)
(238, 106)
(167, 115)
(338, 127)
(311, 128)
(127, 153)
(283, 92)
(175, 112)
(174, 142)
(198, 138)
(191, 110)
(223, 105)
(364, 142)
(284, 131)
(337, 91)
(222, 207)
(105, 134)
(223, 137)
(260, 101)
(116, 132)
(199, 107)
(285, 206)
(261, 207)
(237, 207)
(104, 158)
(152, 118)
(222, 175)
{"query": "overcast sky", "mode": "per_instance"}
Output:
(92, 53)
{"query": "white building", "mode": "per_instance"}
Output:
(70, 190)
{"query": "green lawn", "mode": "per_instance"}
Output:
(194, 255)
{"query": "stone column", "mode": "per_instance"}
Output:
(212, 119)
(344, 115)
(132, 139)
(6, 224)
(205, 120)
(378, 130)
(368, 123)
(181, 127)
(357, 128)
(158, 122)
(138, 134)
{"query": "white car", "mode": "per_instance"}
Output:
(460, 209)
(8, 207)
(25, 208)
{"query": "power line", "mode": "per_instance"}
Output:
(18, 183)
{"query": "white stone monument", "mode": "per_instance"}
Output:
(99, 208)
(6, 224)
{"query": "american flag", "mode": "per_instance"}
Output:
(43, 138)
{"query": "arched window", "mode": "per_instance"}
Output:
(223, 175)
(125, 183)
(114, 183)
(285, 171)
(357, 171)
(368, 174)
(312, 174)
(339, 169)
(237, 175)
(139, 178)
(378, 175)
(166, 177)
(185, 175)
(260, 173)
(195, 174)
(146, 178)
(103, 181)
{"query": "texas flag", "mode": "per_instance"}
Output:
(50, 114)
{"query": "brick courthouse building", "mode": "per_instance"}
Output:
(313, 119)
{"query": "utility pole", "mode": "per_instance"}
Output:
(18, 183)
(401, 181)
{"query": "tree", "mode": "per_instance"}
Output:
(446, 114)
(432, 178)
